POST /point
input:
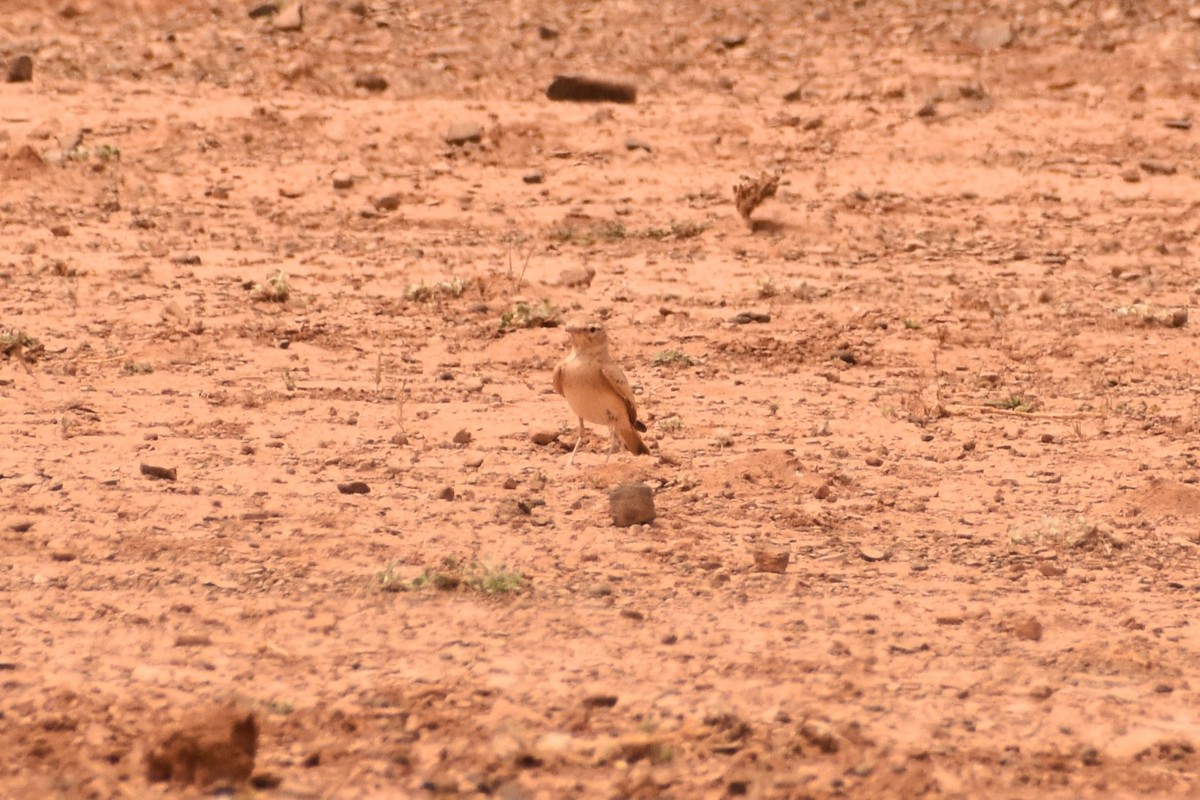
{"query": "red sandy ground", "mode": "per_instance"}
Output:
(991, 515)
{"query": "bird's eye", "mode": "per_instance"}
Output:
(593, 328)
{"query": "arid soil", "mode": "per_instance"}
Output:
(946, 372)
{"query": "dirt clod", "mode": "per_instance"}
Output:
(586, 89)
(1028, 628)
(770, 558)
(158, 473)
(631, 504)
(20, 70)
(219, 748)
(371, 81)
(354, 487)
(543, 438)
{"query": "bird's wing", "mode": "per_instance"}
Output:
(616, 379)
(559, 369)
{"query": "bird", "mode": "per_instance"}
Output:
(596, 389)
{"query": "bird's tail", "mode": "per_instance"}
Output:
(634, 442)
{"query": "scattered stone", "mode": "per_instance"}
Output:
(474, 462)
(546, 33)
(534, 177)
(220, 748)
(812, 123)
(1153, 167)
(948, 619)
(371, 81)
(354, 487)
(447, 493)
(62, 555)
(463, 437)
(873, 553)
(1029, 629)
(585, 89)
(389, 202)
(60, 231)
(928, 110)
(289, 17)
(543, 438)
(1179, 124)
(874, 461)
(264, 10)
(343, 180)
(20, 70)
(631, 504)
(291, 192)
(1131, 175)
(993, 34)
(399, 438)
(730, 41)
(576, 277)
(1051, 570)
(634, 143)
(771, 558)
(462, 133)
(158, 473)
(750, 192)
(747, 317)
(21, 526)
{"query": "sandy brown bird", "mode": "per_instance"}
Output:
(596, 389)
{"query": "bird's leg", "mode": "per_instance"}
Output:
(571, 460)
(612, 448)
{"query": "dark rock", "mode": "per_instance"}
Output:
(20, 70)
(371, 81)
(584, 89)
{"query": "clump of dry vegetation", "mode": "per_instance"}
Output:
(749, 193)
(531, 315)
(21, 346)
(275, 289)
